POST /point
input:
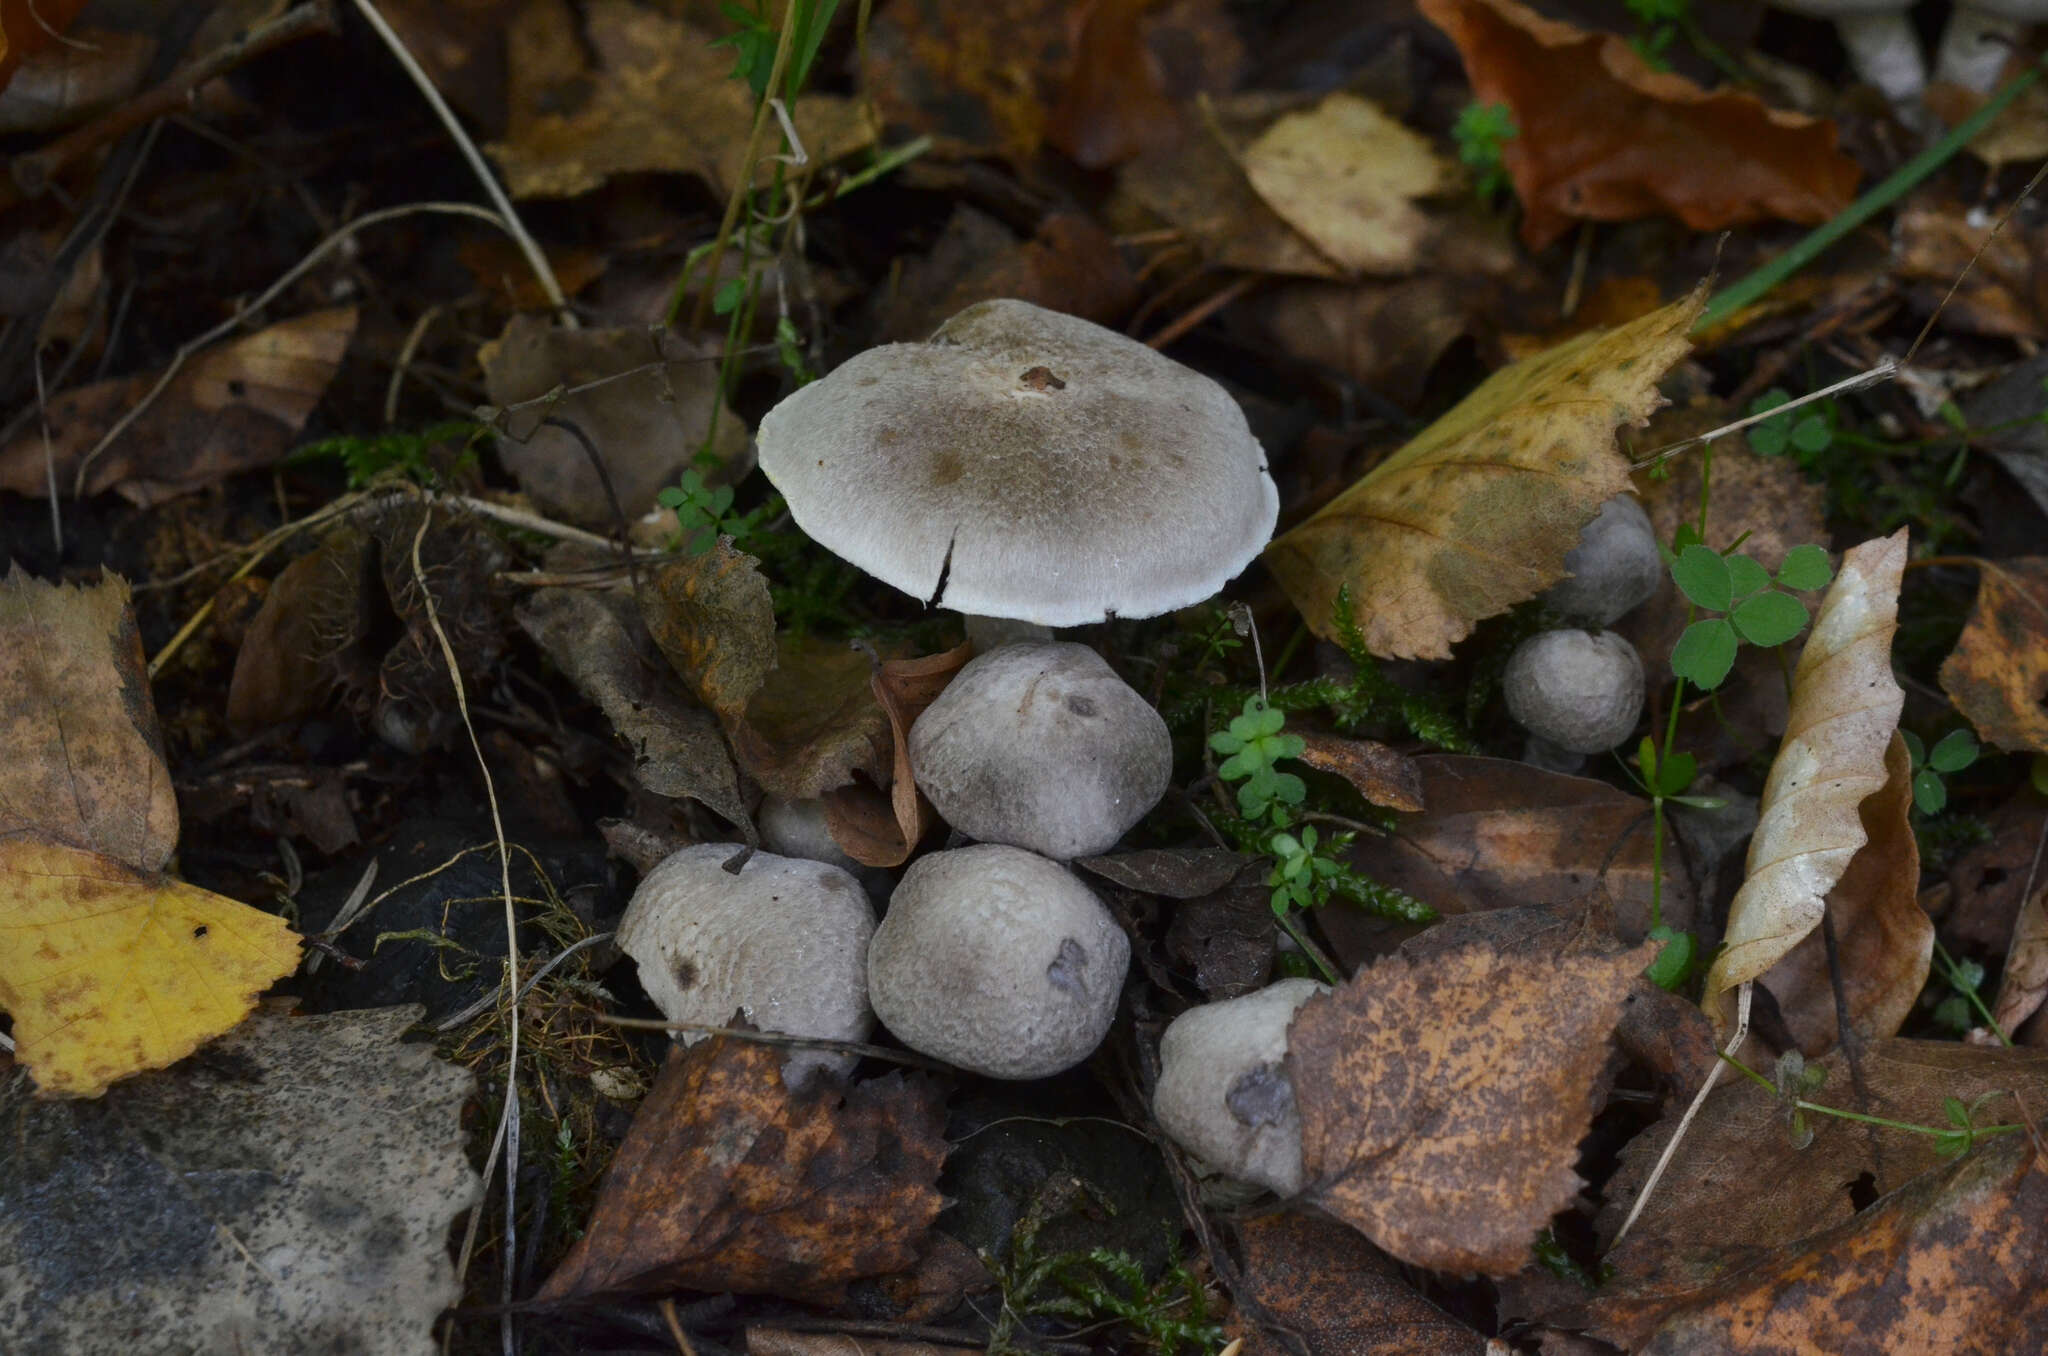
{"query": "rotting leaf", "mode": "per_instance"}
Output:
(1320, 1284)
(653, 95)
(1375, 771)
(815, 722)
(294, 1186)
(1476, 514)
(677, 749)
(1998, 673)
(1886, 940)
(1601, 136)
(1170, 873)
(1346, 175)
(111, 968)
(1114, 103)
(1845, 708)
(234, 407)
(872, 829)
(1442, 1100)
(2023, 981)
(727, 1180)
(713, 618)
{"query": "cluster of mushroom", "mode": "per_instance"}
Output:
(1886, 53)
(1022, 465)
(1579, 689)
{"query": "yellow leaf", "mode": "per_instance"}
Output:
(109, 971)
(1345, 175)
(1477, 513)
(1844, 709)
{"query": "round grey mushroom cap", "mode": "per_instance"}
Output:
(1581, 690)
(1223, 1093)
(1042, 747)
(785, 942)
(998, 961)
(1026, 464)
(1615, 567)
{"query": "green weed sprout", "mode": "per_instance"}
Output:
(1657, 27)
(1480, 132)
(1953, 752)
(1755, 607)
(1254, 744)
(1805, 434)
(704, 513)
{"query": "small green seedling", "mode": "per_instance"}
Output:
(1657, 27)
(1805, 433)
(1481, 131)
(1756, 607)
(1253, 744)
(1667, 781)
(755, 36)
(1953, 752)
(704, 513)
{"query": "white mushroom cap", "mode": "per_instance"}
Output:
(1614, 568)
(1026, 464)
(1223, 1092)
(1883, 48)
(1042, 747)
(997, 960)
(785, 941)
(1581, 690)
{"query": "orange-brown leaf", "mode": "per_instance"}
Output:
(1998, 674)
(1443, 1098)
(1601, 136)
(872, 829)
(1311, 1280)
(728, 1180)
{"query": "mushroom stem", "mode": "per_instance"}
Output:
(1975, 47)
(1886, 52)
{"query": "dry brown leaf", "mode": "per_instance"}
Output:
(1845, 708)
(815, 722)
(1601, 136)
(1313, 1285)
(727, 1180)
(1385, 334)
(1114, 103)
(1346, 175)
(1443, 1099)
(677, 749)
(878, 830)
(646, 428)
(1070, 264)
(232, 408)
(1998, 674)
(654, 95)
(1476, 514)
(1885, 938)
(712, 616)
(2023, 981)
(1984, 280)
(1499, 834)
(70, 81)
(1747, 1218)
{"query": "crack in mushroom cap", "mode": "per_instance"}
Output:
(1026, 464)
(785, 941)
(998, 961)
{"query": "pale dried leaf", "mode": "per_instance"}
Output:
(1346, 175)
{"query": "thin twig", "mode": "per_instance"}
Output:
(1685, 1121)
(535, 259)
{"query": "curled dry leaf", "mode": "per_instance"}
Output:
(1346, 175)
(1601, 136)
(1845, 708)
(1309, 1280)
(1476, 514)
(1886, 940)
(1374, 770)
(1443, 1098)
(2023, 981)
(110, 968)
(728, 1180)
(234, 407)
(1998, 674)
(873, 829)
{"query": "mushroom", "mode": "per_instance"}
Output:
(784, 942)
(1042, 747)
(1223, 1092)
(998, 961)
(1615, 567)
(1025, 464)
(1580, 691)
(1979, 39)
(1883, 48)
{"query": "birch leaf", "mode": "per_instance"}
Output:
(1844, 708)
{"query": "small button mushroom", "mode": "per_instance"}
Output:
(1580, 690)
(1615, 567)
(998, 961)
(1042, 747)
(1223, 1091)
(785, 942)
